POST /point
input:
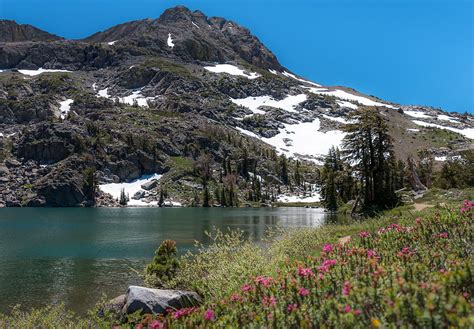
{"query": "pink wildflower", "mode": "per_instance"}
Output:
(364, 234)
(155, 324)
(303, 292)
(246, 287)
(347, 309)
(357, 312)
(346, 289)
(182, 312)
(235, 298)
(326, 265)
(442, 235)
(305, 272)
(269, 301)
(292, 307)
(418, 220)
(327, 248)
(209, 315)
(263, 280)
(371, 253)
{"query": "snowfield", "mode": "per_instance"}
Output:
(305, 139)
(314, 197)
(468, 132)
(447, 118)
(338, 119)
(253, 103)
(136, 96)
(130, 188)
(232, 70)
(347, 105)
(64, 107)
(418, 114)
(39, 71)
(289, 75)
(344, 95)
(111, 43)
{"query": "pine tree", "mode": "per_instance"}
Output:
(283, 164)
(161, 201)
(369, 149)
(297, 173)
(165, 263)
(123, 200)
(206, 197)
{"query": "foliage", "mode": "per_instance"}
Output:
(457, 172)
(337, 181)
(216, 270)
(124, 198)
(164, 265)
(417, 274)
(369, 149)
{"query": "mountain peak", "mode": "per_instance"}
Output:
(11, 31)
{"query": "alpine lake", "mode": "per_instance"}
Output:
(78, 255)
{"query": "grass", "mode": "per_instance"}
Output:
(407, 272)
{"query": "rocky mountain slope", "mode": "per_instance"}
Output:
(172, 107)
(10, 31)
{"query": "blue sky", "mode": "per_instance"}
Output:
(406, 51)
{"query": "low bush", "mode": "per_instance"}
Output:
(415, 273)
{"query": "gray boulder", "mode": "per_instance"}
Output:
(155, 301)
(138, 195)
(150, 185)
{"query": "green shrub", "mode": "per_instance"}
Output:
(164, 265)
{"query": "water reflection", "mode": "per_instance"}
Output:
(76, 255)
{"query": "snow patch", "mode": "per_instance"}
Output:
(130, 189)
(40, 71)
(447, 118)
(104, 93)
(314, 197)
(347, 104)
(414, 130)
(418, 114)
(136, 96)
(273, 72)
(341, 94)
(305, 139)
(442, 158)
(111, 43)
(338, 119)
(232, 70)
(170, 41)
(195, 25)
(253, 103)
(468, 132)
(289, 75)
(64, 107)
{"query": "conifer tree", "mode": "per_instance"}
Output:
(368, 148)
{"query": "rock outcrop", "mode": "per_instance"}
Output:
(157, 301)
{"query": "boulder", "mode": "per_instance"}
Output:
(138, 195)
(157, 301)
(150, 185)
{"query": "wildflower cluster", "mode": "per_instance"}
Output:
(417, 275)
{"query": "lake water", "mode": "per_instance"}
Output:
(75, 255)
